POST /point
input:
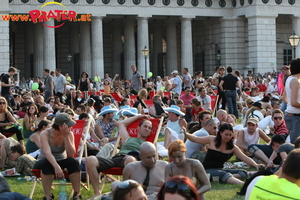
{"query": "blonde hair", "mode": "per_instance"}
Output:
(5, 106)
(143, 94)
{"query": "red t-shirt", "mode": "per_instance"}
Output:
(195, 113)
(262, 88)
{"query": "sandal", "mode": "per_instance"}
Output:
(76, 196)
(52, 197)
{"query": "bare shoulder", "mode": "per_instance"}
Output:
(161, 163)
(133, 165)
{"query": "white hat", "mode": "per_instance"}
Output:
(174, 72)
(107, 109)
(174, 109)
(158, 77)
(130, 111)
(122, 109)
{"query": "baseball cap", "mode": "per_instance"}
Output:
(64, 118)
(252, 120)
(174, 72)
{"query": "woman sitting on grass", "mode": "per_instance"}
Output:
(190, 168)
(6, 119)
(29, 120)
(220, 149)
(33, 143)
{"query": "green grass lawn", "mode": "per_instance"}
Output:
(218, 191)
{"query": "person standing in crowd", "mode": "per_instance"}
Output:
(286, 72)
(187, 79)
(6, 83)
(60, 84)
(84, 82)
(68, 78)
(136, 80)
(228, 85)
(221, 94)
(292, 90)
(48, 85)
(159, 83)
(177, 83)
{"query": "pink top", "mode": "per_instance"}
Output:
(187, 101)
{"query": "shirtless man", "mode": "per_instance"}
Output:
(94, 164)
(137, 170)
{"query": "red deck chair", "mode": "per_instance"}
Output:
(77, 130)
(133, 99)
(248, 93)
(133, 132)
(116, 96)
(149, 103)
(168, 95)
(152, 94)
(216, 91)
(214, 100)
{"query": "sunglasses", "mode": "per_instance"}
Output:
(52, 101)
(180, 186)
(71, 114)
(215, 127)
(276, 118)
(2, 103)
(125, 184)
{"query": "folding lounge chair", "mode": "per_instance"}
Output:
(77, 129)
(133, 132)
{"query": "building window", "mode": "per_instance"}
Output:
(287, 56)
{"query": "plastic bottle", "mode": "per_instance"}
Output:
(181, 134)
(18, 127)
(62, 190)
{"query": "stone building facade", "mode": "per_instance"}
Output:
(250, 35)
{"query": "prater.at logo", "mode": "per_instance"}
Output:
(41, 16)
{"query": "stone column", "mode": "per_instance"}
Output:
(97, 47)
(186, 45)
(157, 48)
(262, 42)
(85, 48)
(38, 49)
(171, 46)
(142, 41)
(116, 48)
(28, 48)
(129, 48)
(4, 38)
(49, 48)
(296, 28)
(74, 47)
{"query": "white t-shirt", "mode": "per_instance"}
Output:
(205, 102)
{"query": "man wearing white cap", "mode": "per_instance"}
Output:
(177, 83)
(174, 125)
(104, 127)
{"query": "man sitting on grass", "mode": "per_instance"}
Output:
(149, 172)
(284, 186)
(99, 164)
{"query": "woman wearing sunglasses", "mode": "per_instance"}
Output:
(190, 168)
(7, 119)
(220, 149)
(178, 188)
(129, 190)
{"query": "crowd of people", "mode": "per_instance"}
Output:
(200, 135)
